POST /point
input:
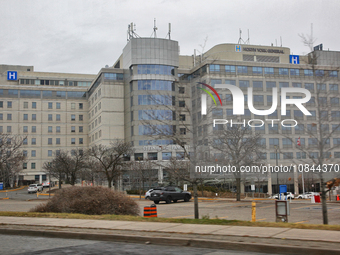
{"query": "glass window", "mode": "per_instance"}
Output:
(269, 70)
(49, 140)
(34, 141)
(73, 140)
(284, 84)
(57, 141)
(319, 72)
(230, 69)
(34, 129)
(297, 85)
(283, 71)
(244, 84)
(258, 85)
(25, 105)
(33, 153)
(1, 104)
(25, 129)
(32, 165)
(242, 69)
(81, 140)
(58, 105)
(308, 72)
(49, 129)
(50, 118)
(81, 106)
(9, 104)
(270, 84)
(58, 129)
(25, 116)
(231, 82)
(295, 72)
(73, 129)
(333, 73)
(155, 69)
(9, 116)
(34, 105)
(34, 117)
(166, 155)
(58, 117)
(257, 70)
(138, 156)
(49, 153)
(81, 129)
(309, 86)
(213, 82)
(9, 129)
(75, 94)
(73, 117)
(333, 87)
(50, 105)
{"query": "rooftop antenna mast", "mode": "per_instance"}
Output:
(131, 32)
(154, 29)
(241, 41)
(169, 33)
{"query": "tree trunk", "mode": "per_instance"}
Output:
(323, 201)
(195, 200)
(59, 181)
(238, 189)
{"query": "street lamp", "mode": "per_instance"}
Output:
(277, 174)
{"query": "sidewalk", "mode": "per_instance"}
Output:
(257, 239)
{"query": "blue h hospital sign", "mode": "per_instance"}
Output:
(12, 75)
(294, 59)
(238, 48)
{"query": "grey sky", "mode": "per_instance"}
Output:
(85, 35)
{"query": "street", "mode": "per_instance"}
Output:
(12, 244)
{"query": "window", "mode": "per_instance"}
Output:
(58, 117)
(57, 140)
(24, 153)
(244, 84)
(34, 117)
(9, 129)
(319, 72)
(270, 84)
(333, 87)
(9, 116)
(274, 155)
(242, 69)
(25, 104)
(1, 104)
(32, 165)
(258, 85)
(1, 130)
(73, 140)
(166, 155)
(309, 86)
(50, 105)
(139, 156)
(73, 105)
(333, 73)
(49, 141)
(230, 69)
(24, 142)
(9, 104)
(308, 72)
(49, 129)
(288, 155)
(25, 116)
(81, 141)
(73, 129)
(301, 155)
(34, 105)
(58, 129)
(283, 71)
(1, 116)
(283, 84)
(297, 85)
(50, 117)
(231, 82)
(182, 117)
(81, 129)
(49, 153)
(295, 72)
(183, 131)
(152, 155)
(273, 142)
(181, 103)
(33, 153)
(58, 105)
(257, 70)
(81, 106)
(321, 87)
(80, 117)
(34, 141)
(269, 70)
(73, 117)
(214, 68)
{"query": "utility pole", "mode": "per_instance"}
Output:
(277, 174)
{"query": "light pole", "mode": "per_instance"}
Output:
(277, 174)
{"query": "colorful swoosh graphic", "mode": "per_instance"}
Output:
(208, 86)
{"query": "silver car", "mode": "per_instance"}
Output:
(33, 188)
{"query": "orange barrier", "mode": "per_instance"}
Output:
(150, 212)
(337, 198)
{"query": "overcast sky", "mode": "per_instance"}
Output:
(82, 36)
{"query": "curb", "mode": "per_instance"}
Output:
(4, 198)
(199, 242)
(10, 190)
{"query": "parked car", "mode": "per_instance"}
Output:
(40, 186)
(289, 195)
(169, 194)
(308, 195)
(148, 193)
(47, 184)
(33, 188)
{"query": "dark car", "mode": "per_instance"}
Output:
(169, 194)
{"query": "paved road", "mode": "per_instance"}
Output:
(11, 244)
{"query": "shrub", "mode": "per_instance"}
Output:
(89, 200)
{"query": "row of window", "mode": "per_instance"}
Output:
(258, 70)
(157, 100)
(95, 123)
(50, 117)
(50, 141)
(155, 69)
(95, 96)
(50, 105)
(56, 82)
(95, 109)
(15, 93)
(154, 156)
(95, 136)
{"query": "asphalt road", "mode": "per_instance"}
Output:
(11, 245)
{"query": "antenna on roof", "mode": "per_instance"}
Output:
(154, 29)
(281, 41)
(169, 33)
(131, 32)
(241, 41)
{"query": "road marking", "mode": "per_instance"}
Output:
(265, 206)
(261, 219)
(304, 206)
(301, 221)
(182, 216)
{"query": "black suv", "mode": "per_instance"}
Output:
(169, 194)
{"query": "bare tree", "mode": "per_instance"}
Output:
(11, 157)
(111, 159)
(238, 147)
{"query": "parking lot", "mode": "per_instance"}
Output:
(301, 211)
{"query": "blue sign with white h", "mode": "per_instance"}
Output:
(238, 48)
(12, 75)
(294, 59)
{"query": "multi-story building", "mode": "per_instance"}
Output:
(151, 81)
